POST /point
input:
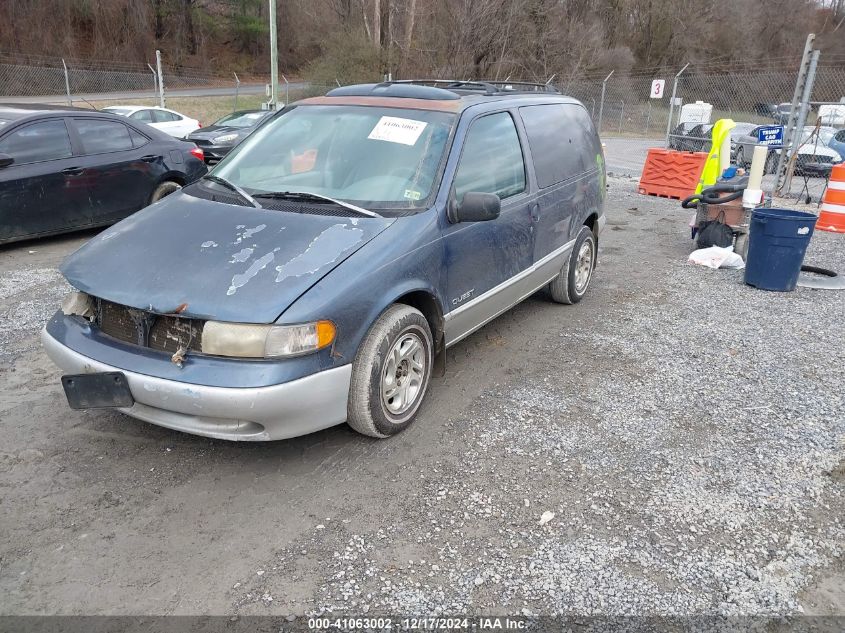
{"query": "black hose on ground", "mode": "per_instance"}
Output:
(707, 195)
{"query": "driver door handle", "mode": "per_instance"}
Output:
(535, 212)
(72, 171)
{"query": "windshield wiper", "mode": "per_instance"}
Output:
(314, 197)
(233, 187)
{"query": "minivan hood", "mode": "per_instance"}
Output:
(220, 261)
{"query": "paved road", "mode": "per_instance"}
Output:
(245, 89)
(626, 156)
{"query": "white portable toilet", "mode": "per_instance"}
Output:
(698, 112)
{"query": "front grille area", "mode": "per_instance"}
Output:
(165, 333)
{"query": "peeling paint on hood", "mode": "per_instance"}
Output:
(226, 262)
(335, 239)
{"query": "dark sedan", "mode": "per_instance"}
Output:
(220, 137)
(63, 169)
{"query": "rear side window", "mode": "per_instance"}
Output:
(162, 116)
(47, 140)
(102, 136)
(562, 141)
(142, 115)
(138, 139)
(491, 161)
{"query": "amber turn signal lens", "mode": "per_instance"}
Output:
(326, 332)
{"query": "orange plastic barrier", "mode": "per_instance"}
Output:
(832, 211)
(671, 174)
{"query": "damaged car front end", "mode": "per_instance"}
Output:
(187, 310)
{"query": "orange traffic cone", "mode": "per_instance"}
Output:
(832, 212)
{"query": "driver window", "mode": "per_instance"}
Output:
(491, 161)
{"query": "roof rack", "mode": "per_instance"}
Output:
(490, 87)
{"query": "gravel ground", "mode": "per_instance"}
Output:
(673, 445)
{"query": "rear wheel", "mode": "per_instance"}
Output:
(572, 282)
(164, 189)
(390, 373)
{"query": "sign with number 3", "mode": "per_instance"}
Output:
(657, 88)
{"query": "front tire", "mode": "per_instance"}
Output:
(572, 282)
(390, 373)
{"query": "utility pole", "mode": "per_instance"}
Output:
(274, 58)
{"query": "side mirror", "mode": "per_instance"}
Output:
(476, 207)
(6, 160)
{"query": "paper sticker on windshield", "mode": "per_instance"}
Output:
(396, 130)
(410, 194)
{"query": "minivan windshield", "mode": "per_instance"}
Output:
(373, 157)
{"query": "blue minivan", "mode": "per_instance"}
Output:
(312, 278)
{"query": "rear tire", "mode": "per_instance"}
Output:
(390, 373)
(164, 189)
(572, 282)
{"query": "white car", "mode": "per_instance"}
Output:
(167, 121)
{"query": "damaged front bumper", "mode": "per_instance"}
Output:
(272, 412)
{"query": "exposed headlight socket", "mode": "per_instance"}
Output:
(76, 303)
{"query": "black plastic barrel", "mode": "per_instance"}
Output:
(777, 241)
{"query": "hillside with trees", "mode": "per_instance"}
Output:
(361, 39)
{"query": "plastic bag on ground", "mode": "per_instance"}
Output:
(717, 257)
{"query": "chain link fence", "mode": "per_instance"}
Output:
(627, 109)
(90, 83)
(49, 76)
(621, 104)
(631, 122)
